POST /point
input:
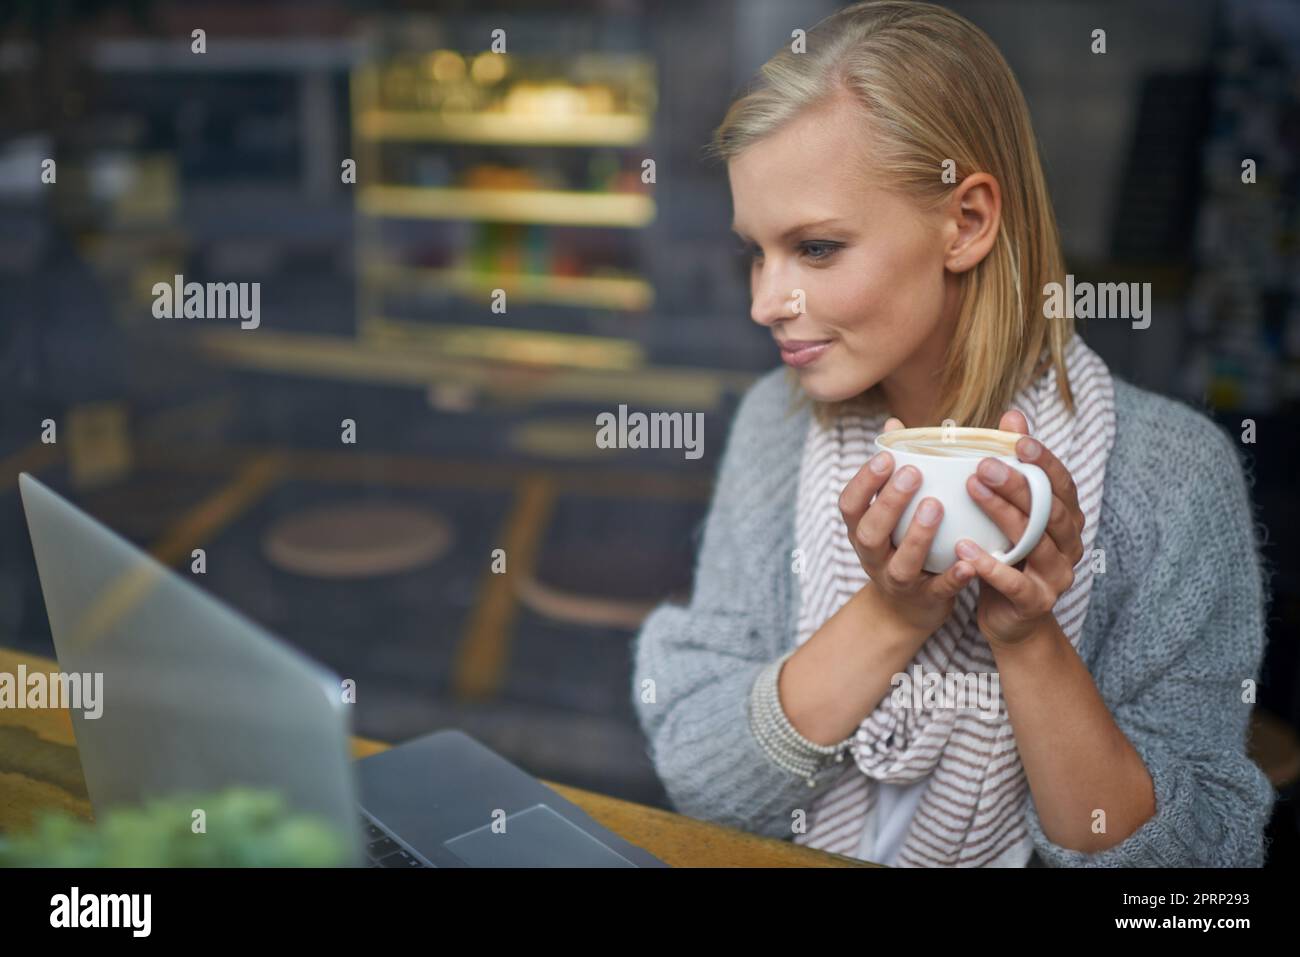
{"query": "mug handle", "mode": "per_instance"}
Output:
(1040, 506)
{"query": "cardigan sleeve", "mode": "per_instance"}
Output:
(1182, 637)
(695, 666)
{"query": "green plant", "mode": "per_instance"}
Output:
(239, 827)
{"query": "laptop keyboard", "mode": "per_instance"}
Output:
(382, 850)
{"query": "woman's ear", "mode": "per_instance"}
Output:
(974, 213)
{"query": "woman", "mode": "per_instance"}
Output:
(887, 183)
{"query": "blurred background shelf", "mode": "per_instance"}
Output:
(612, 129)
(522, 346)
(552, 207)
(500, 206)
(599, 292)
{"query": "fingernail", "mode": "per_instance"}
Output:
(906, 480)
(1029, 448)
(967, 549)
(928, 513)
(963, 571)
(980, 490)
(879, 462)
(993, 471)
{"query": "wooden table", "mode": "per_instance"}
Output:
(39, 769)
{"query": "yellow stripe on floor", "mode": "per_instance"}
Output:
(483, 652)
(210, 516)
(120, 596)
(34, 458)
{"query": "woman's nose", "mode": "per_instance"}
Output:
(772, 297)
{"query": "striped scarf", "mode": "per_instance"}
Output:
(972, 812)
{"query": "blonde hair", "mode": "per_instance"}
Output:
(933, 87)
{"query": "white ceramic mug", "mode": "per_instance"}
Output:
(947, 456)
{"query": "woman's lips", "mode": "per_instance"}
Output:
(799, 353)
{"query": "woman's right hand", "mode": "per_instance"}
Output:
(919, 598)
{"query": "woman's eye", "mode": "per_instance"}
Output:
(819, 251)
(815, 251)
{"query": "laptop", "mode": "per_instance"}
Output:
(198, 698)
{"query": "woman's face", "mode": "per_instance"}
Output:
(878, 304)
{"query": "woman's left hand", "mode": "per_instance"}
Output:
(1015, 600)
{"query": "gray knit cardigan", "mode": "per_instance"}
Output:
(1174, 634)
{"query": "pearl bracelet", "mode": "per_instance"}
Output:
(784, 746)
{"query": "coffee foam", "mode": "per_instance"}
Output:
(966, 446)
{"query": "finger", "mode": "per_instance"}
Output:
(1009, 519)
(1064, 531)
(864, 484)
(877, 525)
(1008, 507)
(1050, 562)
(891, 424)
(906, 563)
(1005, 481)
(952, 581)
(1014, 420)
(1052, 566)
(1016, 586)
(1034, 452)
